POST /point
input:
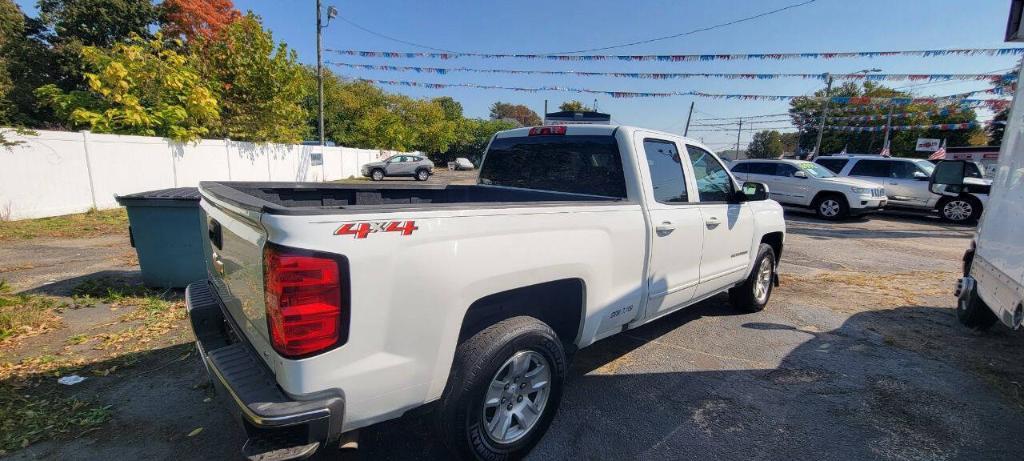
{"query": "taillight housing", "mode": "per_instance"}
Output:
(306, 295)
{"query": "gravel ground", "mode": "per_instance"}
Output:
(858, 356)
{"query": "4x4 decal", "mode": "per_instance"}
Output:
(364, 229)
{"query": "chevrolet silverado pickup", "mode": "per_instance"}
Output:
(331, 307)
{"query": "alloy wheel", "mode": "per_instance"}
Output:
(517, 396)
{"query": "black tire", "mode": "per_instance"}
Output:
(973, 312)
(423, 175)
(460, 415)
(377, 174)
(832, 207)
(743, 296)
(952, 209)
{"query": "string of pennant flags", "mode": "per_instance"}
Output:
(962, 97)
(691, 57)
(994, 78)
(941, 126)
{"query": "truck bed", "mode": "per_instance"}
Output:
(320, 198)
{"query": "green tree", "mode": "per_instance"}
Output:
(260, 83)
(96, 22)
(790, 142)
(574, 106)
(452, 108)
(901, 142)
(766, 144)
(26, 63)
(518, 112)
(141, 87)
(473, 136)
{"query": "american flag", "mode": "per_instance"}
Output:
(939, 154)
(885, 150)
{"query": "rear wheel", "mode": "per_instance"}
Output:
(377, 174)
(753, 294)
(504, 389)
(831, 207)
(962, 209)
(970, 309)
(422, 175)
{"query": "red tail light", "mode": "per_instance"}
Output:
(557, 130)
(307, 311)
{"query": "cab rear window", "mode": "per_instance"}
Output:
(577, 164)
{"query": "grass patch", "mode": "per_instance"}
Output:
(25, 314)
(28, 418)
(88, 224)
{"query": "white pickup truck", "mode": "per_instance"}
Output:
(330, 307)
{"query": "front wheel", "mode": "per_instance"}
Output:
(504, 389)
(960, 209)
(377, 175)
(753, 294)
(831, 207)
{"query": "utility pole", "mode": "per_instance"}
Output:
(738, 132)
(824, 114)
(688, 117)
(320, 73)
(888, 123)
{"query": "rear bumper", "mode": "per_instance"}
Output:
(278, 426)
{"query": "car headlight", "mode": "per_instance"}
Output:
(860, 190)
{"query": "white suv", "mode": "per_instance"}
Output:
(806, 184)
(906, 183)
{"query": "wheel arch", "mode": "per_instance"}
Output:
(561, 304)
(824, 193)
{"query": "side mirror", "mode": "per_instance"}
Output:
(948, 178)
(755, 191)
(800, 174)
(920, 176)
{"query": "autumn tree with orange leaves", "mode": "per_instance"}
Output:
(202, 19)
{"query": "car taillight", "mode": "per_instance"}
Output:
(306, 312)
(547, 130)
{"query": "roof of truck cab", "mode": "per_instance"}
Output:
(596, 130)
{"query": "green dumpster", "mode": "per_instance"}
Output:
(167, 232)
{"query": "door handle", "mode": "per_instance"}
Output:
(712, 222)
(664, 228)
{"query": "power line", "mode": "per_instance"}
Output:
(743, 116)
(694, 31)
(609, 47)
(417, 45)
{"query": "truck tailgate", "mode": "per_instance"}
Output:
(235, 266)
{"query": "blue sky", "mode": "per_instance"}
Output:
(531, 26)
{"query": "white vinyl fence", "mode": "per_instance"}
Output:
(53, 173)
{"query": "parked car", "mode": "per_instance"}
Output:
(906, 184)
(463, 163)
(416, 166)
(331, 307)
(807, 184)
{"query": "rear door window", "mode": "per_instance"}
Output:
(784, 169)
(872, 168)
(834, 164)
(762, 168)
(741, 168)
(666, 168)
(579, 164)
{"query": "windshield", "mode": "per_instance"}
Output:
(925, 166)
(814, 170)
